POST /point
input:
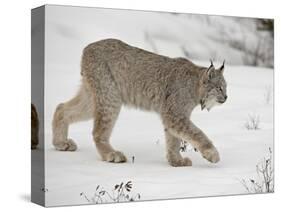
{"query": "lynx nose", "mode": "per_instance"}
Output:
(222, 99)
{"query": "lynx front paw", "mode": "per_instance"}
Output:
(180, 162)
(211, 154)
(68, 145)
(115, 157)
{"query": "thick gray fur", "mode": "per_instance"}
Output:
(115, 74)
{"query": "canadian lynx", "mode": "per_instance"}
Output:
(115, 74)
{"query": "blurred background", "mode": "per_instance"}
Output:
(240, 41)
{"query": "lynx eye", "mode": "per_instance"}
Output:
(220, 89)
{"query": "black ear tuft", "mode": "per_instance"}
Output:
(211, 63)
(222, 67)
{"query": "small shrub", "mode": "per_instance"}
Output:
(264, 182)
(183, 146)
(267, 94)
(253, 122)
(120, 193)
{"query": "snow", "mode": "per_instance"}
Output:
(140, 134)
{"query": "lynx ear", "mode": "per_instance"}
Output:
(222, 67)
(211, 70)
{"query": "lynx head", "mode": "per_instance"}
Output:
(213, 87)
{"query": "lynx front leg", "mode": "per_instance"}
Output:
(183, 128)
(173, 151)
(105, 118)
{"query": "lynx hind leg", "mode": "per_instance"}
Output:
(77, 109)
(173, 151)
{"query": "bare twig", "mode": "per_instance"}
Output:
(268, 94)
(120, 193)
(264, 183)
(253, 122)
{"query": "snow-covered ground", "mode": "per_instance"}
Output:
(140, 134)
